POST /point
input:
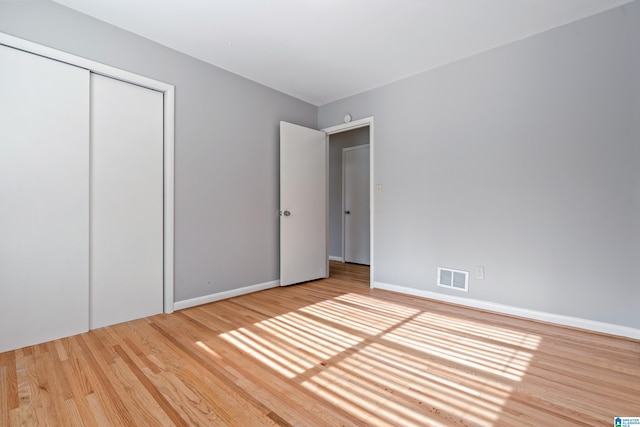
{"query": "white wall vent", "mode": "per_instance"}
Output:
(453, 279)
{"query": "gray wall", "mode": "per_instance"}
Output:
(337, 142)
(226, 146)
(524, 159)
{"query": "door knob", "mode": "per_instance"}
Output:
(347, 212)
(286, 213)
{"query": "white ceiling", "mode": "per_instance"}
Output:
(323, 50)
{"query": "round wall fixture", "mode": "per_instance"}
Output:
(347, 118)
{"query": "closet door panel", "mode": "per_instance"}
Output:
(126, 202)
(44, 199)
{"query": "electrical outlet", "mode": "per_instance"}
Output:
(480, 272)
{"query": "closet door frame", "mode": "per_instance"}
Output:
(169, 129)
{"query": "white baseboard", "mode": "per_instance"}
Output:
(576, 322)
(335, 258)
(179, 305)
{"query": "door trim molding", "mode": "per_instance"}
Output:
(168, 91)
(343, 127)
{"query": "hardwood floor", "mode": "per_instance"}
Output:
(325, 353)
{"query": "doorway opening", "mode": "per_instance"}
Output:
(348, 136)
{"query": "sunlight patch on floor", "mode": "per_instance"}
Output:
(208, 349)
(389, 364)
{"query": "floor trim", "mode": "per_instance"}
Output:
(180, 305)
(576, 322)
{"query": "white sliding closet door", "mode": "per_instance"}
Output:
(126, 202)
(44, 199)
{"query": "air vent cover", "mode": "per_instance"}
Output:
(453, 279)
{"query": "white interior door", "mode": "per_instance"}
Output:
(44, 199)
(303, 204)
(355, 163)
(126, 202)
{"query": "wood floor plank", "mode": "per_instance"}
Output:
(28, 394)
(8, 386)
(4, 396)
(215, 379)
(327, 353)
(98, 368)
(139, 403)
(75, 372)
(98, 412)
(189, 397)
(148, 385)
(297, 404)
(75, 416)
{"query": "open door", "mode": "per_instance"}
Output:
(303, 204)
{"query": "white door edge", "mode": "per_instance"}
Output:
(367, 121)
